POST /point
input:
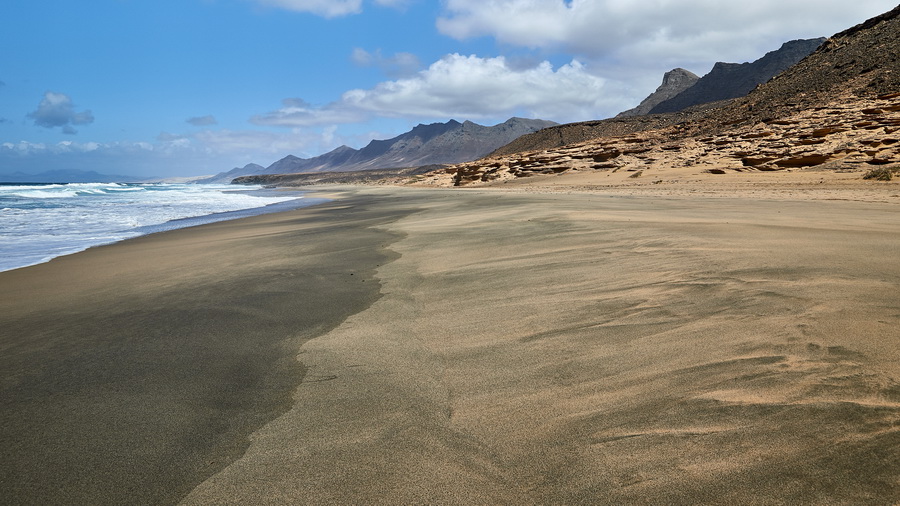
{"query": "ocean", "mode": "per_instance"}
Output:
(39, 222)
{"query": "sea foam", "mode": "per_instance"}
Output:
(41, 222)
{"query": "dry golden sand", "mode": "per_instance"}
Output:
(586, 344)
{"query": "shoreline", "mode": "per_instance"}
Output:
(491, 347)
(133, 371)
(299, 202)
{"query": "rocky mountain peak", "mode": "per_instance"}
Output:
(425, 144)
(732, 80)
(674, 82)
(677, 77)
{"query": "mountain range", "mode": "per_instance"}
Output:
(799, 75)
(680, 99)
(435, 143)
(682, 88)
(838, 109)
(732, 80)
(674, 82)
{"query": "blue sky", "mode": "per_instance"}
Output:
(189, 87)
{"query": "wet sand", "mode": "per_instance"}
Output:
(518, 348)
(132, 372)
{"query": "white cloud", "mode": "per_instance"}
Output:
(202, 152)
(57, 110)
(639, 33)
(474, 87)
(202, 120)
(465, 87)
(239, 141)
(324, 8)
(397, 4)
(399, 65)
(329, 8)
(298, 113)
(25, 148)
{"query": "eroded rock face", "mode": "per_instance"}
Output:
(862, 61)
(732, 80)
(674, 82)
(838, 108)
(851, 133)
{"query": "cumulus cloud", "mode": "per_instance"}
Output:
(202, 120)
(468, 87)
(296, 112)
(398, 65)
(170, 154)
(474, 87)
(216, 142)
(57, 110)
(653, 30)
(393, 3)
(25, 148)
(329, 8)
(265, 145)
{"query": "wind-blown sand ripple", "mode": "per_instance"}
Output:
(597, 349)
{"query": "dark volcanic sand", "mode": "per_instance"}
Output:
(132, 372)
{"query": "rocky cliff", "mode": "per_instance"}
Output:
(838, 110)
(674, 82)
(732, 80)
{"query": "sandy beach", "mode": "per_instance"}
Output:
(546, 345)
(132, 372)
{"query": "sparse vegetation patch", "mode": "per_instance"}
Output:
(882, 173)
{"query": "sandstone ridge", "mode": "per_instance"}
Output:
(856, 134)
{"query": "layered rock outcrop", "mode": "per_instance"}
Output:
(836, 109)
(852, 134)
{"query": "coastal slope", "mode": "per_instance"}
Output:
(836, 110)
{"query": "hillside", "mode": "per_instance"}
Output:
(569, 133)
(353, 177)
(838, 109)
(732, 80)
(674, 82)
(861, 61)
(726, 81)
